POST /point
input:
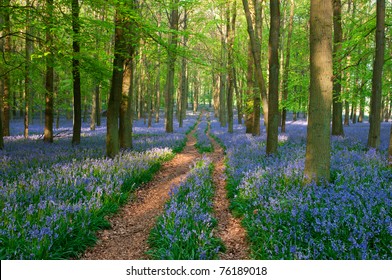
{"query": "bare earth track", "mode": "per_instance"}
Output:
(127, 239)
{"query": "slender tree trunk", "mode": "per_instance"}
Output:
(375, 101)
(255, 40)
(7, 76)
(93, 116)
(231, 76)
(238, 95)
(389, 149)
(77, 124)
(215, 88)
(273, 96)
(337, 116)
(49, 81)
(318, 146)
(112, 135)
(28, 81)
(172, 56)
(249, 104)
(287, 66)
(184, 77)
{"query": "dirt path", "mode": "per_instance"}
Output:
(131, 226)
(229, 228)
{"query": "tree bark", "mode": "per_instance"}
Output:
(184, 77)
(318, 147)
(126, 105)
(337, 116)
(230, 65)
(7, 76)
(287, 66)
(28, 81)
(49, 80)
(77, 124)
(249, 103)
(112, 134)
(172, 56)
(375, 101)
(273, 96)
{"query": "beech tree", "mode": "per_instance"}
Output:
(375, 102)
(77, 126)
(318, 142)
(337, 118)
(49, 80)
(273, 92)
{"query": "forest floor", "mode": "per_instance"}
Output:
(127, 238)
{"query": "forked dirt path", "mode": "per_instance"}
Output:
(131, 226)
(229, 230)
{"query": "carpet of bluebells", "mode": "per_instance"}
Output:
(54, 197)
(185, 229)
(203, 144)
(348, 218)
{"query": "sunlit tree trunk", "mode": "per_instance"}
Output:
(337, 116)
(77, 124)
(49, 80)
(112, 135)
(249, 100)
(285, 77)
(375, 101)
(230, 65)
(318, 142)
(273, 96)
(184, 76)
(255, 41)
(126, 106)
(172, 56)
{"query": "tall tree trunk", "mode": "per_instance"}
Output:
(93, 117)
(249, 103)
(172, 56)
(49, 80)
(337, 116)
(255, 40)
(112, 135)
(375, 101)
(230, 65)
(184, 76)
(287, 66)
(318, 146)
(273, 96)
(7, 77)
(28, 80)
(389, 149)
(77, 124)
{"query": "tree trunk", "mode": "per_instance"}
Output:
(28, 81)
(230, 65)
(94, 112)
(6, 80)
(184, 77)
(337, 116)
(49, 81)
(126, 106)
(318, 147)
(375, 101)
(77, 124)
(172, 56)
(249, 103)
(389, 149)
(287, 66)
(273, 96)
(112, 135)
